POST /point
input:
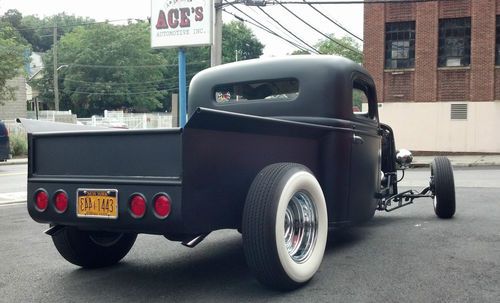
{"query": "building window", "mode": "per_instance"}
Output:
(454, 42)
(497, 51)
(400, 44)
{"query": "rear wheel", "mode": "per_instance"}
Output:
(443, 187)
(92, 249)
(284, 226)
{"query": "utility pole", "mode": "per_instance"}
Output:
(56, 77)
(216, 49)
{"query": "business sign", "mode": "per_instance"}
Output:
(177, 23)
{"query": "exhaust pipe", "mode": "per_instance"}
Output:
(53, 230)
(194, 241)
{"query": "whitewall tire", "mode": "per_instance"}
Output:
(285, 226)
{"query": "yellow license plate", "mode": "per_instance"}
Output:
(97, 203)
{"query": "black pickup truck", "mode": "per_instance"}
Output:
(282, 150)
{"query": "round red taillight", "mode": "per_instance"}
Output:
(162, 206)
(41, 200)
(61, 201)
(137, 206)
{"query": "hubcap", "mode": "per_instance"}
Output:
(301, 227)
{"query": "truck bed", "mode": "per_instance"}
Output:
(147, 162)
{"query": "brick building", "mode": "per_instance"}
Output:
(436, 65)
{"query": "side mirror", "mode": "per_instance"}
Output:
(404, 158)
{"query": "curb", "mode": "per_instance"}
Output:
(14, 162)
(459, 164)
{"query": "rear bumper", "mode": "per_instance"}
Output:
(149, 223)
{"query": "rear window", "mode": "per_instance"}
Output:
(271, 90)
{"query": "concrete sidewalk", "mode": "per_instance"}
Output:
(418, 161)
(460, 161)
(15, 161)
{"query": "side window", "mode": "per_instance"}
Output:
(359, 102)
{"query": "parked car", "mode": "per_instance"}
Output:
(273, 148)
(4, 142)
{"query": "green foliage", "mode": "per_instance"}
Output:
(300, 52)
(39, 32)
(358, 96)
(13, 17)
(11, 59)
(239, 43)
(327, 46)
(18, 144)
(108, 67)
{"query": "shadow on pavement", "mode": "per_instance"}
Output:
(215, 269)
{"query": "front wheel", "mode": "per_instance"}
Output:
(285, 226)
(443, 187)
(92, 249)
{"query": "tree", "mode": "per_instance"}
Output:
(327, 46)
(11, 58)
(12, 16)
(300, 52)
(108, 67)
(39, 32)
(239, 43)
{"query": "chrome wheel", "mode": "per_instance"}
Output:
(301, 227)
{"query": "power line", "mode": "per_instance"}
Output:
(360, 2)
(124, 94)
(331, 20)
(265, 29)
(77, 24)
(269, 16)
(129, 66)
(278, 29)
(125, 83)
(328, 37)
(261, 26)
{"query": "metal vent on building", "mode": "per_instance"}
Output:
(459, 111)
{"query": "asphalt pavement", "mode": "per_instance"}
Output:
(405, 256)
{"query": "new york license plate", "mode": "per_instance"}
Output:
(97, 203)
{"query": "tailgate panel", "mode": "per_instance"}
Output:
(153, 153)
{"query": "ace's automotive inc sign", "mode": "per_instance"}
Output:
(176, 23)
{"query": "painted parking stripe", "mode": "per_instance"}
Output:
(13, 174)
(15, 197)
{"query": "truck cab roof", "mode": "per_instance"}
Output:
(304, 85)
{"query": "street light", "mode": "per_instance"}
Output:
(64, 65)
(56, 86)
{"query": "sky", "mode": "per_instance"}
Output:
(349, 16)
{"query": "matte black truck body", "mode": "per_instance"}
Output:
(273, 148)
(208, 166)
